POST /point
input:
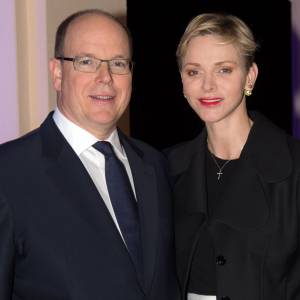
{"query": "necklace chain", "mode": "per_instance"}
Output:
(219, 173)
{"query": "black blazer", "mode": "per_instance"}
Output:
(255, 229)
(57, 238)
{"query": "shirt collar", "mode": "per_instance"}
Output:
(79, 138)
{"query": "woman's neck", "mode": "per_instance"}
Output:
(227, 138)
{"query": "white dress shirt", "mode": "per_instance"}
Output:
(82, 142)
(192, 296)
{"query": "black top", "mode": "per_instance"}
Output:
(256, 224)
(202, 279)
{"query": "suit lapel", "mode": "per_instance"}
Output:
(69, 175)
(146, 191)
(187, 167)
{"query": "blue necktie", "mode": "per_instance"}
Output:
(123, 201)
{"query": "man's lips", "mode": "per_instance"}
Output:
(210, 101)
(102, 97)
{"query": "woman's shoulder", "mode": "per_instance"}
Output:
(294, 146)
(184, 148)
(181, 155)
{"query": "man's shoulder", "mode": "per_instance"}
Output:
(21, 144)
(31, 143)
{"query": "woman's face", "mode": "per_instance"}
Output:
(214, 77)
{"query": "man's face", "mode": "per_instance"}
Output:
(94, 101)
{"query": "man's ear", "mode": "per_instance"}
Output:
(55, 69)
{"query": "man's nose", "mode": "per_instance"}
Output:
(103, 74)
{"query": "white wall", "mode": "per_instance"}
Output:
(9, 115)
(32, 62)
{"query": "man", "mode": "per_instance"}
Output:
(63, 234)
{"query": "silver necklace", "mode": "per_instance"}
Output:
(219, 167)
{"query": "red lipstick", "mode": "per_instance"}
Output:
(213, 101)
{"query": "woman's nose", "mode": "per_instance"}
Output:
(209, 83)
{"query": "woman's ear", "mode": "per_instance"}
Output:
(251, 77)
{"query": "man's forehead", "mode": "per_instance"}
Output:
(93, 30)
(99, 21)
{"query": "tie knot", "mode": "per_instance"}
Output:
(104, 147)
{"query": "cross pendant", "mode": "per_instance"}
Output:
(219, 174)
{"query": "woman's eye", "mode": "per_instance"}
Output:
(191, 72)
(225, 70)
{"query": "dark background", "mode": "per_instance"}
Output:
(159, 114)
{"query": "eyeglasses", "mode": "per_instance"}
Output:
(86, 64)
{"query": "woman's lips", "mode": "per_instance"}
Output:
(210, 101)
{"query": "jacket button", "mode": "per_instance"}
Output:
(225, 298)
(221, 261)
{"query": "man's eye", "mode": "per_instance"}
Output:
(119, 63)
(86, 61)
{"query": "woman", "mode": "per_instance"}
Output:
(237, 184)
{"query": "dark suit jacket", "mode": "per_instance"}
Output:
(255, 229)
(57, 238)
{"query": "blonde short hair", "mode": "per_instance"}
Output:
(229, 28)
